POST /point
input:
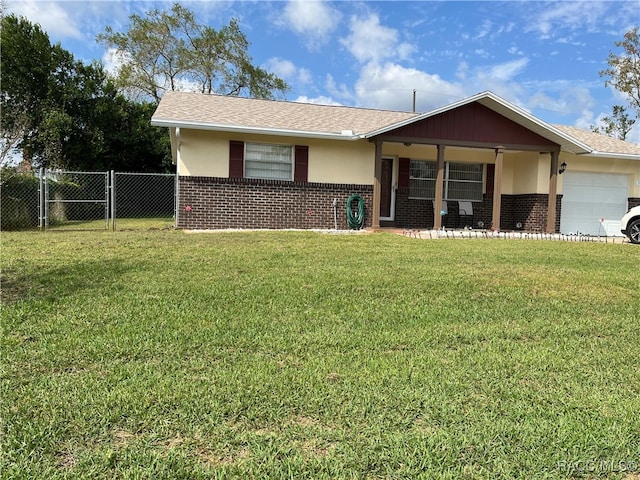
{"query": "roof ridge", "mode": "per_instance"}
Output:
(293, 102)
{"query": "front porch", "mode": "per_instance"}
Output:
(529, 200)
(523, 212)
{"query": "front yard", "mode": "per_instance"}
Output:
(304, 355)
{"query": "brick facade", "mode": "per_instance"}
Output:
(529, 209)
(217, 203)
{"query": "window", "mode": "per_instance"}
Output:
(268, 161)
(422, 179)
(462, 181)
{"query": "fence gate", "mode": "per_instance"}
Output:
(66, 200)
(143, 200)
(75, 200)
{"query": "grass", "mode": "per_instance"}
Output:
(143, 223)
(302, 355)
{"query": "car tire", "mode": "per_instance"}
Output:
(633, 230)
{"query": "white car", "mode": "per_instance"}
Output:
(630, 224)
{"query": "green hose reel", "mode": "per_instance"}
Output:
(355, 220)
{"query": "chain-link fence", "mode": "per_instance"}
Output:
(19, 200)
(76, 200)
(54, 199)
(143, 200)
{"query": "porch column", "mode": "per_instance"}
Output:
(497, 189)
(377, 175)
(553, 193)
(439, 193)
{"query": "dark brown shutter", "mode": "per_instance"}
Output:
(491, 172)
(301, 164)
(404, 165)
(236, 159)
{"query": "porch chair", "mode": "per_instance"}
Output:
(465, 214)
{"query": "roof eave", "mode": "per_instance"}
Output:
(612, 155)
(159, 122)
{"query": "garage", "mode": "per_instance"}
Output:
(589, 198)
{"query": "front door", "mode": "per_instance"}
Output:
(387, 192)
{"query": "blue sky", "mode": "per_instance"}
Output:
(542, 56)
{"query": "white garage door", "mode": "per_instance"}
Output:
(587, 198)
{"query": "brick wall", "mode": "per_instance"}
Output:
(528, 209)
(217, 203)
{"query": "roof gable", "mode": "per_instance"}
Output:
(472, 122)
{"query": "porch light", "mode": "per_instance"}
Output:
(563, 167)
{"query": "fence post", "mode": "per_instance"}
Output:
(176, 200)
(41, 199)
(46, 198)
(113, 201)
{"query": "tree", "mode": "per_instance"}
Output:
(60, 113)
(624, 68)
(26, 64)
(618, 125)
(170, 50)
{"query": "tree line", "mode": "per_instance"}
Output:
(58, 112)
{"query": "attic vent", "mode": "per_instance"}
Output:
(348, 133)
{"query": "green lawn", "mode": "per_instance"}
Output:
(160, 354)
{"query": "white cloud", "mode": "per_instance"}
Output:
(462, 70)
(321, 100)
(113, 59)
(315, 20)
(484, 29)
(282, 68)
(51, 16)
(566, 99)
(288, 71)
(562, 17)
(335, 90)
(506, 71)
(369, 40)
(390, 86)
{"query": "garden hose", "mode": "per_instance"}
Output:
(356, 222)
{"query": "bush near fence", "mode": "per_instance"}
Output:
(18, 200)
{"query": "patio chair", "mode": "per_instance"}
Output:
(465, 214)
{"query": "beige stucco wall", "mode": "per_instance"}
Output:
(579, 163)
(341, 161)
(202, 153)
(206, 153)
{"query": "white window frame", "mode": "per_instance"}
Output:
(447, 181)
(266, 161)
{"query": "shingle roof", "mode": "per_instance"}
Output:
(601, 143)
(218, 110)
(225, 112)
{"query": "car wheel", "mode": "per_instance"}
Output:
(634, 231)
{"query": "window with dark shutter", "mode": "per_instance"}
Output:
(404, 169)
(236, 159)
(301, 170)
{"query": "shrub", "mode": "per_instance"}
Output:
(19, 200)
